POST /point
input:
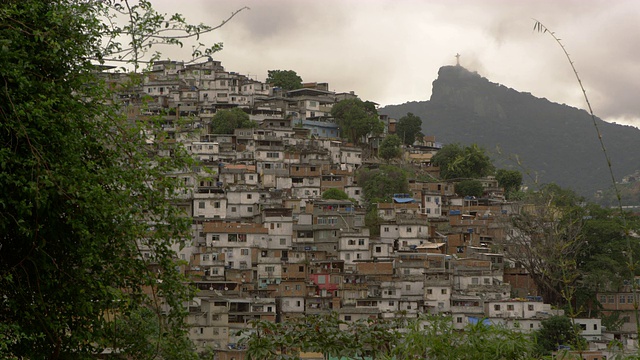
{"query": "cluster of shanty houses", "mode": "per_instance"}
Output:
(267, 246)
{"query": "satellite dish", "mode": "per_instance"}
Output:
(226, 288)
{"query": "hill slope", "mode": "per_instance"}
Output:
(552, 142)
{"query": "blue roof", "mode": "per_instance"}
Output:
(403, 200)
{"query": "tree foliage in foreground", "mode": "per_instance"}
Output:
(87, 231)
(432, 337)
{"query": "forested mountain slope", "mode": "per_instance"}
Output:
(549, 141)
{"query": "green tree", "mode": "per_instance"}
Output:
(390, 147)
(379, 185)
(459, 162)
(335, 194)
(469, 188)
(510, 180)
(226, 121)
(548, 236)
(356, 119)
(373, 221)
(285, 79)
(431, 337)
(87, 221)
(408, 128)
(555, 331)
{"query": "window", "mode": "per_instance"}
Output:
(360, 241)
(378, 249)
(630, 299)
(347, 318)
(201, 205)
(273, 155)
(487, 281)
(283, 241)
(297, 287)
(603, 299)
(391, 303)
(622, 299)
(459, 320)
(474, 281)
(443, 291)
(386, 229)
(248, 196)
(407, 287)
(406, 271)
(215, 237)
(496, 307)
(409, 229)
(510, 307)
(300, 268)
(233, 209)
(612, 299)
(269, 269)
(216, 204)
(244, 251)
(351, 242)
(530, 307)
(429, 291)
(232, 238)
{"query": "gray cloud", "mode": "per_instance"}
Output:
(390, 51)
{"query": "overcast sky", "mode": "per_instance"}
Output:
(389, 51)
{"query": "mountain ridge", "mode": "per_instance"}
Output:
(550, 142)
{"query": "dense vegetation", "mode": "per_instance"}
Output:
(547, 142)
(357, 119)
(226, 121)
(430, 337)
(86, 216)
(284, 79)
